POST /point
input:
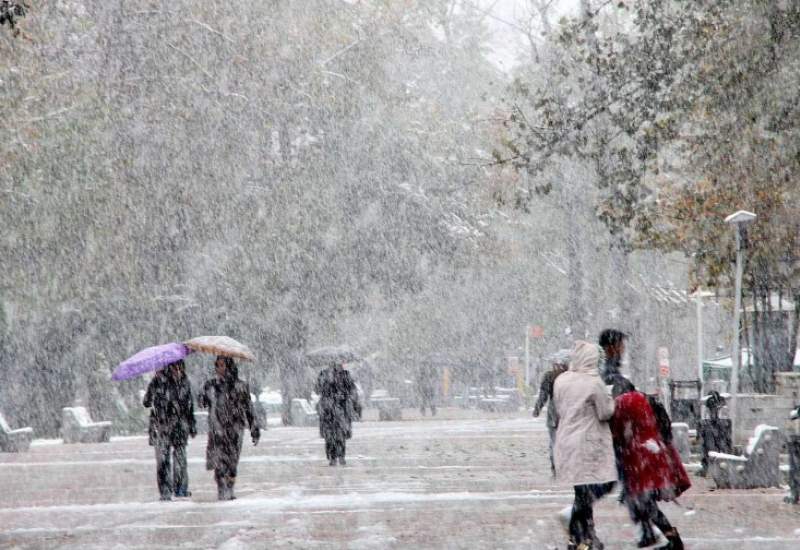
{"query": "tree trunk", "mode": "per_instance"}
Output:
(793, 332)
(576, 313)
(775, 339)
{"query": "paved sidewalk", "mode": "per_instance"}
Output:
(464, 479)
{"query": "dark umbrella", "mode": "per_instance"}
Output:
(149, 360)
(332, 354)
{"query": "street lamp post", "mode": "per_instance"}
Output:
(698, 296)
(738, 220)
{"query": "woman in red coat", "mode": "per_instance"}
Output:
(651, 468)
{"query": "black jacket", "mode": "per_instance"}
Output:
(545, 395)
(172, 413)
(229, 404)
(338, 403)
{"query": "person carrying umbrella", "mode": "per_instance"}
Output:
(338, 406)
(172, 422)
(229, 410)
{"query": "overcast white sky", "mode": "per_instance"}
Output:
(503, 16)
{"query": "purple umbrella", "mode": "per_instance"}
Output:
(150, 359)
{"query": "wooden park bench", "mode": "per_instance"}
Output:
(758, 467)
(14, 441)
(303, 414)
(388, 407)
(78, 427)
(502, 404)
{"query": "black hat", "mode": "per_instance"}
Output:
(714, 400)
(611, 337)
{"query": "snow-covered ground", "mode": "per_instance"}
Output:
(463, 480)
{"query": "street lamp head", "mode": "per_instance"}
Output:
(742, 217)
(700, 293)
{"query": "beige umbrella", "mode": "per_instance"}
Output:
(221, 345)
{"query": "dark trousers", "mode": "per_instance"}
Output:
(171, 471)
(794, 469)
(716, 435)
(335, 447)
(552, 431)
(646, 512)
(222, 455)
(426, 400)
(581, 526)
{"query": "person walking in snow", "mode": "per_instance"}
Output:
(560, 363)
(338, 406)
(229, 411)
(426, 379)
(612, 342)
(172, 422)
(583, 451)
(652, 467)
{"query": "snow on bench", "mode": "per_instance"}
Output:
(498, 404)
(14, 441)
(389, 408)
(303, 414)
(726, 456)
(78, 427)
(759, 467)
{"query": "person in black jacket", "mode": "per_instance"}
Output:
(338, 406)
(229, 411)
(426, 378)
(171, 424)
(560, 364)
(612, 342)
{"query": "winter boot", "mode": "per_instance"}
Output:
(221, 488)
(332, 462)
(594, 540)
(675, 542)
(230, 481)
(648, 538)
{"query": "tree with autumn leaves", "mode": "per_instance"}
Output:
(686, 112)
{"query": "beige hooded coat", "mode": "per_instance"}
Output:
(583, 452)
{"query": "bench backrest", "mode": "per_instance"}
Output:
(304, 405)
(4, 427)
(763, 436)
(80, 415)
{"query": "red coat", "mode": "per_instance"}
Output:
(648, 463)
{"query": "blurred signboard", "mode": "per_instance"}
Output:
(663, 362)
(513, 365)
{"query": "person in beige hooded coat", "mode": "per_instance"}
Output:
(584, 452)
